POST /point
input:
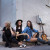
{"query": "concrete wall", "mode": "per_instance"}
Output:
(11, 10)
(8, 8)
(0, 12)
(29, 9)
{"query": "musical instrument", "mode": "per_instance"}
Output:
(43, 36)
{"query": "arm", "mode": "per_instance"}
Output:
(13, 33)
(36, 31)
(3, 30)
(25, 31)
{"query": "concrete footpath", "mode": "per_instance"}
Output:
(43, 47)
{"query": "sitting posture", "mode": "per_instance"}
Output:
(19, 37)
(29, 29)
(7, 34)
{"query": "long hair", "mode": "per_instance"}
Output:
(31, 27)
(17, 25)
(8, 25)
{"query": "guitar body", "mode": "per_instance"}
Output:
(44, 37)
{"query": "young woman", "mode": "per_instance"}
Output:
(18, 29)
(29, 29)
(9, 35)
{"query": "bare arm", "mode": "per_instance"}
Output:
(23, 34)
(13, 33)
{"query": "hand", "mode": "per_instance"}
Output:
(17, 35)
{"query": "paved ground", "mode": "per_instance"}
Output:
(43, 47)
(38, 48)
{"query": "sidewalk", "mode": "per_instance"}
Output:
(44, 47)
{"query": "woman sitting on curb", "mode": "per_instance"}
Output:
(29, 29)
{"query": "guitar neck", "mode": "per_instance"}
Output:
(42, 29)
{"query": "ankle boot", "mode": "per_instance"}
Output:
(9, 45)
(42, 41)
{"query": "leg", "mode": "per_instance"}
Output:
(14, 40)
(39, 40)
(37, 35)
(6, 40)
(33, 39)
(34, 35)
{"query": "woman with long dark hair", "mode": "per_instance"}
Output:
(18, 29)
(29, 29)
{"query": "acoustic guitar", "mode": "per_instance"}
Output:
(39, 22)
(43, 36)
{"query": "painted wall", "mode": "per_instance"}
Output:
(8, 8)
(0, 12)
(11, 10)
(29, 9)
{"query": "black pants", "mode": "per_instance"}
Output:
(37, 36)
(7, 39)
(19, 38)
(14, 39)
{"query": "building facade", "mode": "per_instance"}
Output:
(11, 10)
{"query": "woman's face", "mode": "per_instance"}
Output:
(5, 24)
(28, 23)
(19, 23)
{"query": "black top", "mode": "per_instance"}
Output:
(18, 30)
(7, 32)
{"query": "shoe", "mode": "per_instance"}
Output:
(9, 46)
(20, 46)
(24, 45)
(6, 44)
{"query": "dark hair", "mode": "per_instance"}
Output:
(30, 24)
(18, 25)
(18, 21)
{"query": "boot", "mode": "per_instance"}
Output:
(9, 45)
(43, 41)
(6, 44)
